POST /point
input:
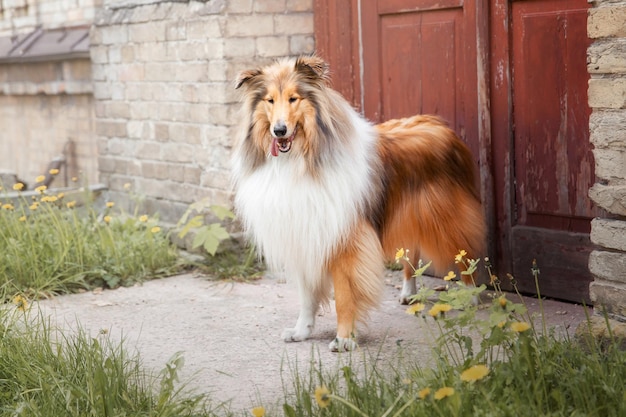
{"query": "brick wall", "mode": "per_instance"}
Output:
(163, 84)
(607, 98)
(19, 16)
(44, 106)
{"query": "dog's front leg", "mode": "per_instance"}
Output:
(309, 305)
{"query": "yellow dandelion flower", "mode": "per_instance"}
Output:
(143, 218)
(60, 195)
(107, 219)
(41, 189)
(34, 206)
(18, 186)
(474, 373)
(444, 392)
(451, 275)
(439, 309)
(110, 204)
(501, 324)
(53, 171)
(155, 229)
(399, 254)
(258, 411)
(459, 256)
(40, 178)
(127, 186)
(49, 198)
(423, 393)
(502, 301)
(520, 326)
(415, 308)
(22, 219)
(74, 179)
(322, 396)
(0, 188)
(71, 204)
(20, 302)
(8, 206)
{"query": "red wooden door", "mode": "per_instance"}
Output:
(420, 58)
(553, 163)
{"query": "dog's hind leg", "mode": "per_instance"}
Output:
(409, 287)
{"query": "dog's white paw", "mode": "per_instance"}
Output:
(295, 334)
(342, 344)
(409, 288)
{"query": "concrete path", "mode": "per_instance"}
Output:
(229, 333)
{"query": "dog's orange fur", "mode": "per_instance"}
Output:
(422, 194)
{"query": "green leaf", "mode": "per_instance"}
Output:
(210, 245)
(420, 271)
(222, 212)
(192, 224)
(218, 231)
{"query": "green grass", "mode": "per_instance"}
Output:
(49, 246)
(511, 369)
(46, 373)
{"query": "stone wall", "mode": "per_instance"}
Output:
(46, 111)
(164, 89)
(19, 16)
(607, 98)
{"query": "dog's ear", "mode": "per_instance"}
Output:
(313, 67)
(246, 76)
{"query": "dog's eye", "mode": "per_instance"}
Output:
(293, 99)
(270, 100)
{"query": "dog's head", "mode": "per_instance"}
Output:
(282, 99)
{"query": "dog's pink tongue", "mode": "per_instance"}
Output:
(274, 148)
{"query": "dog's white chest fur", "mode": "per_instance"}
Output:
(297, 220)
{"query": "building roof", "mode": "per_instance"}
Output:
(45, 45)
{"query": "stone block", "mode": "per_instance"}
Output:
(116, 34)
(272, 46)
(269, 6)
(608, 129)
(293, 24)
(185, 133)
(299, 5)
(148, 150)
(609, 297)
(249, 26)
(602, 330)
(609, 233)
(607, 21)
(610, 163)
(239, 47)
(608, 266)
(607, 93)
(607, 56)
(612, 198)
(192, 72)
(301, 44)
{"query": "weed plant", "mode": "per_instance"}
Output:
(48, 245)
(44, 373)
(487, 363)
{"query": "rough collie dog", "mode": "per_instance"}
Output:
(327, 197)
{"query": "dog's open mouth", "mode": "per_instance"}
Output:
(282, 144)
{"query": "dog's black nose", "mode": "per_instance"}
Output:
(280, 130)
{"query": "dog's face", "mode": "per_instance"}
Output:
(282, 99)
